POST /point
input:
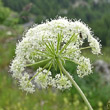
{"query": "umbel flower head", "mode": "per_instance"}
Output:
(47, 44)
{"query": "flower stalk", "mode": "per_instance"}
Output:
(39, 63)
(75, 85)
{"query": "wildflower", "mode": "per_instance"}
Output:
(25, 84)
(17, 67)
(84, 67)
(51, 44)
(62, 82)
(94, 44)
(43, 78)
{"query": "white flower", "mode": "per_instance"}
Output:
(43, 78)
(62, 82)
(83, 28)
(17, 67)
(73, 52)
(26, 85)
(94, 44)
(84, 67)
(58, 39)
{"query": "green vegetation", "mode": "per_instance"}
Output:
(97, 15)
(11, 98)
(7, 16)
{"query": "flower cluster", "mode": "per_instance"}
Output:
(61, 82)
(84, 68)
(94, 44)
(48, 43)
(43, 78)
(25, 84)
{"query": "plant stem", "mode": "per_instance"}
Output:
(39, 63)
(38, 73)
(84, 48)
(75, 85)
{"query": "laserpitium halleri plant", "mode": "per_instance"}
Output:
(49, 45)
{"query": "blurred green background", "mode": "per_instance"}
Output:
(18, 15)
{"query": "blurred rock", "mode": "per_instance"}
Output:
(28, 24)
(3, 27)
(79, 3)
(103, 68)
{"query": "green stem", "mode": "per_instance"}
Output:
(73, 38)
(75, 85)
(49, 69)
(66, 58)
(38, 73)
(39, 63)
(84, 48)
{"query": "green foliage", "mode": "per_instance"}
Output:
(4, 12)
(96, 15)
(101, 28)
(16, 5)
(14, 99)
(88, 11)
(11, 98)
(11, 21)
(7, 16)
